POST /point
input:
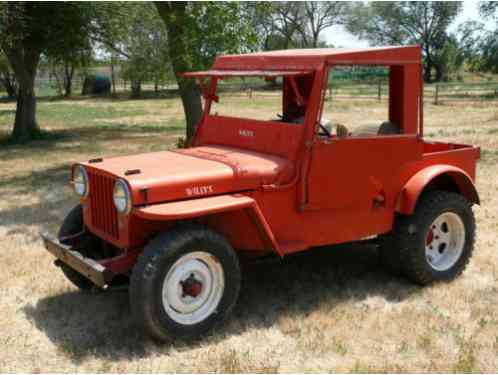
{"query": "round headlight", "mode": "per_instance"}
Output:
(122, 197)
(80, 181)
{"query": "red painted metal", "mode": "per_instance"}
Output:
(279, 186)
(306, 59)
(187, 209)
(104, 216)
(416, 184)
(245, 73)
(122, 263)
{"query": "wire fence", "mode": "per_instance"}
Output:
(435, 93)
(338, 89)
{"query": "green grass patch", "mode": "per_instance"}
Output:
(81, 114)
(169, 126)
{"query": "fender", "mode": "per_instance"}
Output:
(410, 193)
(193, 208)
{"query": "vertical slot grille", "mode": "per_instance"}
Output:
(104, 215)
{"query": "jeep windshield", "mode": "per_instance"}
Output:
(277, 96)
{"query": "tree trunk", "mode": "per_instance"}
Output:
(68, 80)
(10, 85)
(58, 84)
(136, 89)
(25, 125)
(192, 105)
(113, 76)
(174, 16)
(440, 76)
(427, 71)
(24, 63)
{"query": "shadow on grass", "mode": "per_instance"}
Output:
(57, 175)
(118, 97)
(100, 324)
(84, 138)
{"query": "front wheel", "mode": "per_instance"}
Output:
(72, 225)
(185, 282)
(437, 241)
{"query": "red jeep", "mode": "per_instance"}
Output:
(175, 223)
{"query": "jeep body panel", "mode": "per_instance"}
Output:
(457, 162)
(192, 208)
(212, 170)
(216, 212)
(279, 186)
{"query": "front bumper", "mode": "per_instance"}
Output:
(89, 268)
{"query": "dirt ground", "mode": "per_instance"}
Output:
(333, 309)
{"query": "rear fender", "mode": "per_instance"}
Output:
(460, 181)
(203, 207)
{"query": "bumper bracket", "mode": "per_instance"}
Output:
(89, 268)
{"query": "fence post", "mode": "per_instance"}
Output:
(436, 95)
(330, 93)
(379, 91)
(249, 92)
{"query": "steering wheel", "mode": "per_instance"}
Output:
(325, 131)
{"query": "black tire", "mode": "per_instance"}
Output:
(410, 236)
(389, 255)
(73, 224)
(158, 258)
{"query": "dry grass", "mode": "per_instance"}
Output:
(330, 310)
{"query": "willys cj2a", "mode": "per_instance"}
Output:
(175, 223)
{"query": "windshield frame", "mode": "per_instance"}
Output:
(295, 101)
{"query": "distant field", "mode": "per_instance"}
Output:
(329, 310)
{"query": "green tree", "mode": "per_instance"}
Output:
(141, 44)
(64, 62)
(480, 43)
(450, 59)
(26, 31)
(290, 24)
(318, 16)
(7, 77)
(489, 41)
(408, 22)
(135, 37)
(197, 32)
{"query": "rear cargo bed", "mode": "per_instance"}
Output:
(459, 155)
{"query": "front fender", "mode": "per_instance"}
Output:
(196, 208)
(419, 181)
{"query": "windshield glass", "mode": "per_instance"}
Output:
(281, 99)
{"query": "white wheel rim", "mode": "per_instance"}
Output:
(445, 240)
(193, 288)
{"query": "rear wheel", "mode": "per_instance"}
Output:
(436, 242)
(184, 283)
(389, 255)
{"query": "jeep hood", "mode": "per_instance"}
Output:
(200, 171)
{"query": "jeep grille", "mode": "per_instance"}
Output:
(104, 215)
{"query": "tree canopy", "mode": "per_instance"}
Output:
(153, 41)
(409, 22)
(290, 24)
(197, 32)
(26, 31)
